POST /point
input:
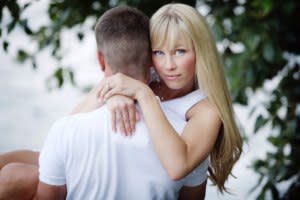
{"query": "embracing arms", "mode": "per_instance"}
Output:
(178, 154)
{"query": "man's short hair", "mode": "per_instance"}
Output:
(122, 35)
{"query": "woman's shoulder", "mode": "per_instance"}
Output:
(203, 108)
(184, 103)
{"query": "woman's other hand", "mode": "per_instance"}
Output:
(123, 114)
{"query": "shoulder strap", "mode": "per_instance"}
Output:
(182, 104)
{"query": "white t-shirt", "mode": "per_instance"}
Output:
(82, 152)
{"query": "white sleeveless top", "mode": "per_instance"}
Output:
(82, 152)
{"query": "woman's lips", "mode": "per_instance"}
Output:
(172, 77)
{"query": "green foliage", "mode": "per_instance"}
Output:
(263, 30)
(59, 76)
(267, 31)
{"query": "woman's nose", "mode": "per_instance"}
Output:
(170, 64)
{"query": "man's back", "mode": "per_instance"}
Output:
(99, 164)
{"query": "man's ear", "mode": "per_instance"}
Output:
(101, 61)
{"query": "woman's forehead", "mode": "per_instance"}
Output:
(171, 41)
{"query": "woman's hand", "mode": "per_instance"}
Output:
(122, 85)
(123, 114)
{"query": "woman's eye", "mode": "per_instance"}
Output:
(179, 52)
(158, 52)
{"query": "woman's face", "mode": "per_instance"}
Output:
(176, 67)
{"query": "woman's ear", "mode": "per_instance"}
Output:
(101, 60)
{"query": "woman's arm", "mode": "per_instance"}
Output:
(178, 154)
(181, 154)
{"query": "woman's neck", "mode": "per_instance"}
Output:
(160, 89)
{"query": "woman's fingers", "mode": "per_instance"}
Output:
(107, 88)
(100, 89)
(120, 122)
(109, 93)
(113, 121)
(104, 89)
(124, 117)
(118, 84)
(123, 114)
(132, 117)
(126, 120)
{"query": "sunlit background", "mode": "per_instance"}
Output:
(30, 101)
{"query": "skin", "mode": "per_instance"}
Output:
(18, 181)
(23, 156)
(47, 192)
(18, 175)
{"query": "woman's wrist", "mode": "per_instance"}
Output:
(144, 92)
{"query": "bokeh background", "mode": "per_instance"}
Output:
(48, 62)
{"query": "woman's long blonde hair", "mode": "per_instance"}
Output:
(168, 24)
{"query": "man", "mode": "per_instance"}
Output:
(83, 159)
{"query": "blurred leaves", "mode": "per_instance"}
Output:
(255, 35)
(5, 46)
(60, 75)
(260, 122)
(22, 56)
(268, 32)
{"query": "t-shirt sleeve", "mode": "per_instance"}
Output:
(51, 163)
(197, 176)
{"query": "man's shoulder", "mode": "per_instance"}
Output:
(68, 125)
(98, 114)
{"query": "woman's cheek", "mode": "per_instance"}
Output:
(157, 64)
(189, 64)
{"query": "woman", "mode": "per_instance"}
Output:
(185, 58)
